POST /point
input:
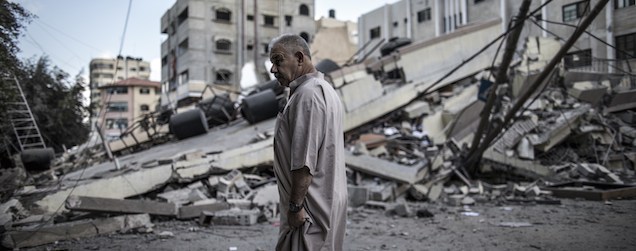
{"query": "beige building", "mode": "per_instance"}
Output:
(106, 71)
(335, 40)
(126, 101)
(209, 41)
(424, 20)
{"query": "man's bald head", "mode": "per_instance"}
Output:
(292, 43)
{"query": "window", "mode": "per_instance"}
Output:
(183, 47)
(133, 69)
(117, 107)
(375, 32)
(305, 36)
(102, 66)
(288, 20)
(250, 17)
(119, 123)
(266, 48)
(478, 1)
(395, 24)
(303, 10)
(576, 10)
(144, 91)
(424, 15)
(141, 68)
(223, 76)
(578, 58)
(117, 90)
(184, 77)
(623, 3)
(183, 16)
(144, 108)
(538, 17)
(626, 43)
(249, 47)
(268, 20)
(223, 14)
(223, 45)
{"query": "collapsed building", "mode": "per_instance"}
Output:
(411, 127)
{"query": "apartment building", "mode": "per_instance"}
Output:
(423, 20)
(106, 71)
(331, 32)
(124, 102)
(209, 41)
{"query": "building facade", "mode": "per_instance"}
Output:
(106, 71)
(125, 102)
(331, 32)
(422, 20)
(208, 42)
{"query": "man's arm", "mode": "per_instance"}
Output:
(301, 179)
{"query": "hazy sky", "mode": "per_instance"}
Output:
(72, 32)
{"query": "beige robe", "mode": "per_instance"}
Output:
(309, 132)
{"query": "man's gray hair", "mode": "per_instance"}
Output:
(291, 42)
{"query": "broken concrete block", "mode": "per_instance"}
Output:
(358, 195)
(360, 148)
(435, 191)
(105, 205)
(417, 109)
(525, 150)
(266, 195)
(386, 169)
(403, 210)
(622, 100)
(378, 205)
(587, 91)
(381, 191)
(233, 216)
(418, 192)
(73, 230)
(455, 199)
(189, 212)
(379, 151)
(607, 174)
(468, 201)
(587, 170)
(179, 196)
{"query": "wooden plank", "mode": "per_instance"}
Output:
(73, 230)
(106, 205)
(386, 169)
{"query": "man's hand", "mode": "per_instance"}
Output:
(296, 220)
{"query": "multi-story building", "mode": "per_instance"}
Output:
(209, 41)
(335, 40)
(424, 20)
(126, 101)
(106, 71)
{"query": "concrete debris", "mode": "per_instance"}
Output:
(233, 216)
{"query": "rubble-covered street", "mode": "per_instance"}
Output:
(573, 225)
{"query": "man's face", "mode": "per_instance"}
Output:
(284, 65)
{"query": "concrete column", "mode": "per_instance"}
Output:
(409, 20)
(609, 27)
(387, 22)
(446, 14)
(240, 36)
(504, 15)
(437, 15)
(451, 14)
(464, 12)
(544, 16)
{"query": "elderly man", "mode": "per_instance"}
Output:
(308, 152)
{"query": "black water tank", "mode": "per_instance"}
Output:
(189, 123)
(326, 66)
(218, 109)
(260, 106)
(393, 44)
(270, 85)
(37, 159)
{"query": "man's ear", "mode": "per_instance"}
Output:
(300, 56)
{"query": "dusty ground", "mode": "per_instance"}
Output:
(574, 225)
